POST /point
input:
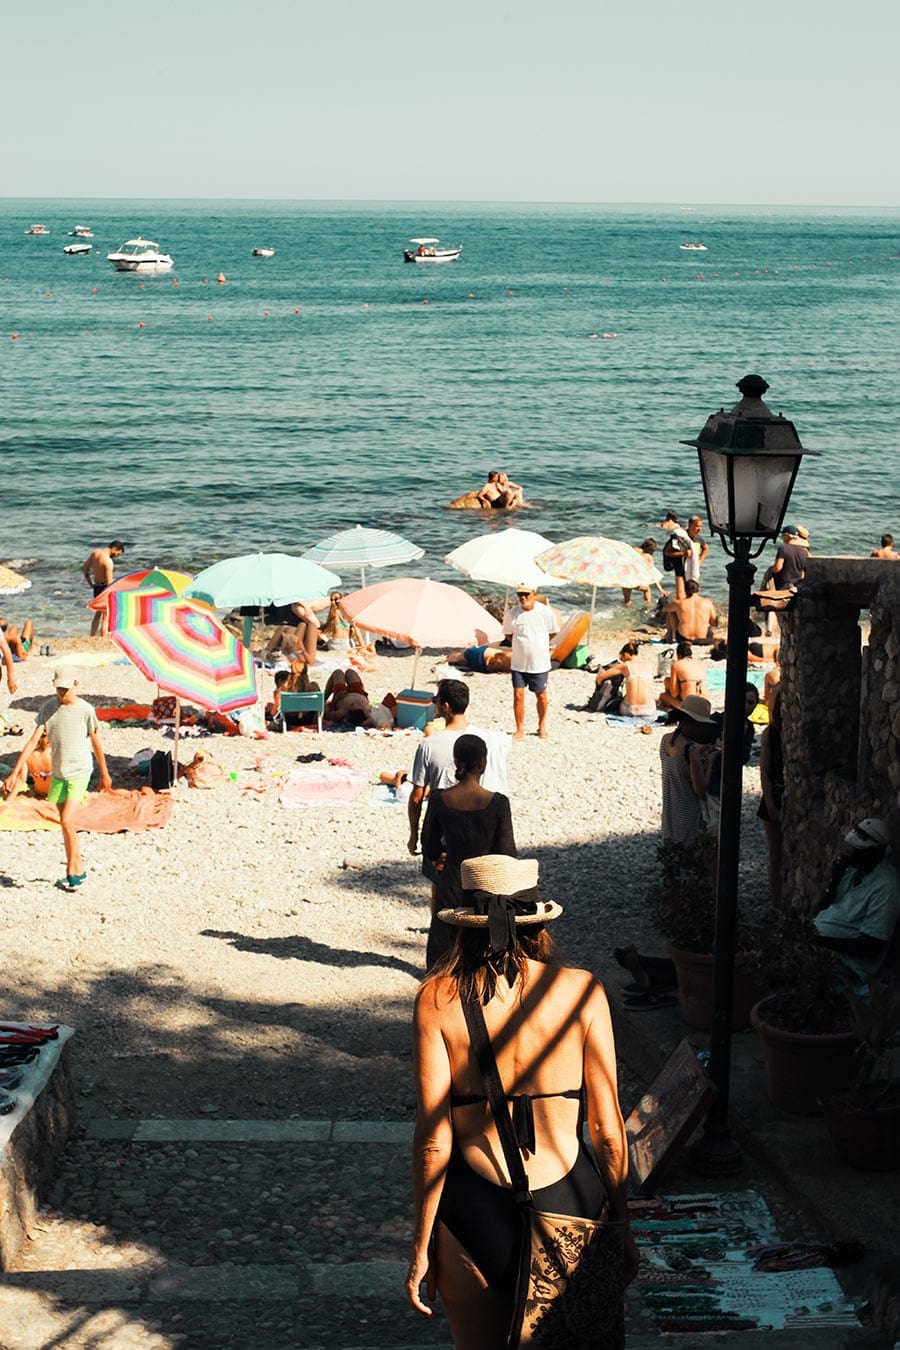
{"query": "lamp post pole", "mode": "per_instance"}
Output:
(717, 1151)
(749, 459)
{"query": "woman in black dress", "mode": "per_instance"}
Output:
(465, 821)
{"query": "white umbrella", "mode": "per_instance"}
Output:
(504, 557)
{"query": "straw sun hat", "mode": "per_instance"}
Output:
(513, 879)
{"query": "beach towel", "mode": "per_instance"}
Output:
(309, 785)
(630, 723)
(715, 678)
(100, 812)
(132, 713)
(384, 795)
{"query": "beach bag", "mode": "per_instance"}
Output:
(577, 659)
(570, 1289)
(162, 770)
(664, 663)
(674, 548)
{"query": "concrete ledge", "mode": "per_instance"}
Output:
(26, 1168)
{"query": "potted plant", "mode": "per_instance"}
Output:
(682, 906)
(864, 1121)
(804, 1023)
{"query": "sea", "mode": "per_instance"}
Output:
(573, 346)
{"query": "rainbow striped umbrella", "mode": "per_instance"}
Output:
(163, 580)
(183, 648)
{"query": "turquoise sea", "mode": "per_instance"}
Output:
(317, 389)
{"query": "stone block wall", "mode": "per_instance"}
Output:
(840, 701)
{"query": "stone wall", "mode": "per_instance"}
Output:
(840, 698)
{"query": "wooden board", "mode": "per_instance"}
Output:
(667, 1115)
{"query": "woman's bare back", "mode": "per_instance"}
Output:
(538, 1040)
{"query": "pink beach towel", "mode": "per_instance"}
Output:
(321, 785)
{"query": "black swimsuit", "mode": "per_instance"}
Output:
(483, 1216)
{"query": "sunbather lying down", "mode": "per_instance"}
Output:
(482, 659)
(346, 700)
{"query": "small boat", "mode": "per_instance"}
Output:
(82, 232)
(428, 251)
(77, 249)
(263, 253)
(38, 229)
(693, 248)
(140, 255)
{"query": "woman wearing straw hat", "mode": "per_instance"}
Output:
(697, 729)
(548, 1031)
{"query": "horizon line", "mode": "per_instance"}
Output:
(473, 201)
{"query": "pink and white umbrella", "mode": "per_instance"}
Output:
(422, 613)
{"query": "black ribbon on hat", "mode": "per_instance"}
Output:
(501, 911)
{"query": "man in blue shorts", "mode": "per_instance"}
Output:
(532, 628)
(73, 731)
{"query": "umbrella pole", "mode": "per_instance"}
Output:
(175, 745)
(415, 667)
(591, 624)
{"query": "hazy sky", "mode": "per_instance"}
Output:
(782, 101)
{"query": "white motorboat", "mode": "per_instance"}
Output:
(38, 229)
(263, 253)
(82, 232)
(140, 255)
(693, 248)
(78, 249)
(429, 251)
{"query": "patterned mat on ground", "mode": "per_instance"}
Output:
(703, 1268)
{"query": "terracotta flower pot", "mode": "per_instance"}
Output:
(802, 1070)
(695, 988)
(867, 1138)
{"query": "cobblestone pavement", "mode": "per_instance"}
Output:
(252, 1242)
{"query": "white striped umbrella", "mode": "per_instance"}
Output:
(362, 547)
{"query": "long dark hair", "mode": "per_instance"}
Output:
(475, 971)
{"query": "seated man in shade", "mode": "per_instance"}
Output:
(861, 905)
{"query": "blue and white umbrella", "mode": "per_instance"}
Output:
(362, 547)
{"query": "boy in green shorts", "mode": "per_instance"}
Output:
(73, 731)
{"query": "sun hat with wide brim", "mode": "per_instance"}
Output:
(512, 879)
(697, 709)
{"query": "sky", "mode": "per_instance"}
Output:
(776, 102)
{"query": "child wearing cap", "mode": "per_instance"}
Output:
(73, 731)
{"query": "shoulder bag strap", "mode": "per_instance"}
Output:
(490, 1074)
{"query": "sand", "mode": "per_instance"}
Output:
(251, 961)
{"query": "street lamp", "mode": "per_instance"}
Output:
(749, 459)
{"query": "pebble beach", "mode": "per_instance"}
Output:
(249, 960)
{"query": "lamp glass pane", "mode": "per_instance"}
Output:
(714, 471)
(761, 487)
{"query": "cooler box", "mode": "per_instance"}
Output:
(415, 708)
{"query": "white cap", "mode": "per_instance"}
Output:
(869, 833)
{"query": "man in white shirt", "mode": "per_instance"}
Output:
(532, 628)
(433, 766)
(861, 906)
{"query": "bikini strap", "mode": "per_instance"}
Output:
(493, 1086)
